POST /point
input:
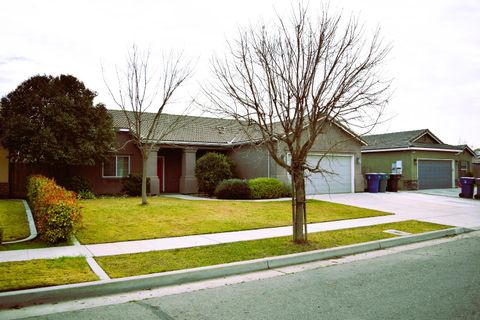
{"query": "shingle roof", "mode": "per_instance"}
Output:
(404, 139)
(197, 130)
(187, 129)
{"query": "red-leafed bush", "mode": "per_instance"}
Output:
(56, 210)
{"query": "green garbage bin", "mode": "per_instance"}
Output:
(383, 182)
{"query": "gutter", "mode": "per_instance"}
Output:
(411, 149)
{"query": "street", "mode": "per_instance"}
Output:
(436, 282)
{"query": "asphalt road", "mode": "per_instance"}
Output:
(437, 282)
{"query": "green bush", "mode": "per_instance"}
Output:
(85, 194)
(132, 185)
(211, 169)
(233, 189)
(55, 209)
(267, 188)
(76, 184)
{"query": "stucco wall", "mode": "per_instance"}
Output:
(103, 185)
(251, 162)
(381, 162)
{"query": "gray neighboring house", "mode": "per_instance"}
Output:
(171, 166)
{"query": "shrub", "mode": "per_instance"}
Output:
(132, 185)
(211, 169)
(85, 194)
(55, 209)
(267, 188)
(233, 189)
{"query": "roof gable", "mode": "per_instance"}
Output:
(416, 139)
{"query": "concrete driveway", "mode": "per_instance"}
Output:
(413, 205)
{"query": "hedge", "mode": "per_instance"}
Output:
(233, 189)
(267, 188)
(56, 210)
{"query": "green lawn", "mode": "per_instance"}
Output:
(121, 219)
(43, 273)
(160, 261)
(13, 220)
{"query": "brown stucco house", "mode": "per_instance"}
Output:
(171, 166)
(424, 160)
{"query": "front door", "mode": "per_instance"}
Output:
(161, 173)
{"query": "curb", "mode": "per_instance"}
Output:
(31, 225)
(144, 282)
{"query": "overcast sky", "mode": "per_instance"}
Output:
(435, 60)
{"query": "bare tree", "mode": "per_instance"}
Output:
(139, 91)
(286, 82)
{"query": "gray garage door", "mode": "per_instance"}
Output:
(434, 174)
(340, 181)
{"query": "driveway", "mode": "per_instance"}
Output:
(413, 205)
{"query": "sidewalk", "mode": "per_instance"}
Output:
(405, 206)
(125, 247)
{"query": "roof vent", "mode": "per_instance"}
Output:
(221, 129)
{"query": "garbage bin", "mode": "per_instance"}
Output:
(477, 196)
(373, 182)
(382, 187)
(392, 184)
(467, 184)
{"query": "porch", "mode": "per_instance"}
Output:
(172, 169)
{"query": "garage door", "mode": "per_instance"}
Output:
(340, 179)
(434, 174)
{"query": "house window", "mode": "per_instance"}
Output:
(463, 166)
(116, 167)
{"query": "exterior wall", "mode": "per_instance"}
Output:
(4, 172)
(251, 162)
(381, 162)
(476, 170)
(332, 141)
(94, 173)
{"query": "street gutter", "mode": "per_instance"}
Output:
(115, 286)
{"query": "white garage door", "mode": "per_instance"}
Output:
(339, 180)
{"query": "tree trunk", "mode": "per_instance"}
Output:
(299, 216)
(144, 179)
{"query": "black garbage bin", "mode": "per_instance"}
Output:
(477, 196)
(392, 185)
(382, 187)
(467, 184)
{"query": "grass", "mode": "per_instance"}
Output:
(112, 220)
(168, 260)
(42, 273)
(13, 220)
(33, 244)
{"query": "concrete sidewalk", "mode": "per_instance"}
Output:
(125, 247)
(405, 205)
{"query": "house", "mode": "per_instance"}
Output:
(171, 165)
(476, 165)
(4, 172)
(424, 161)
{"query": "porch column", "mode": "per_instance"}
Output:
(188, 181)
(152, 172)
